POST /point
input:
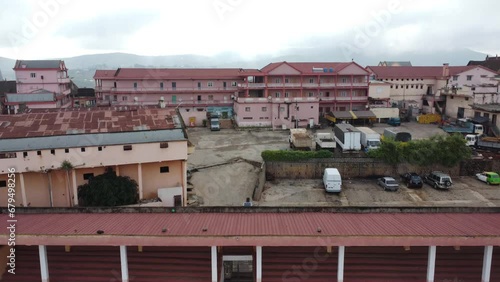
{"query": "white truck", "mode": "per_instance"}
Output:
(300, 140)
(369, 138)
(332, 180)
(325, 141)
(348, 137)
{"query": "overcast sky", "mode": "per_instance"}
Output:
(38, 29)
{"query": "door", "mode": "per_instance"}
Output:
(199, 86)
(494, 120)
(174, 99)
(460, 112)
(224, 84)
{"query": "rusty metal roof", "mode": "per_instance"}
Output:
(267, 229)
(85, 121)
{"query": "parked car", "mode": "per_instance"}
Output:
(412, 180)
(394, 121)
(438, 179)
(491, 178)
(388, 183)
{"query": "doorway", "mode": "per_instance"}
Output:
(238, 269)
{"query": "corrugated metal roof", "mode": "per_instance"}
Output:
(23, 98)
(86, 120)
(38, 64)
(296, 228)
(307, 67)
(89, 140)
(154, 74)
(415, 71)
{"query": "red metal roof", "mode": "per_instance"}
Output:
(100, 74)
(85, 120)
(415, 71)
(203, 229)
(201, 73)
(306, 67)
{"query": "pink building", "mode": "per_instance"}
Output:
(296, 94)
(40, 84)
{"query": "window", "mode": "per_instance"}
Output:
(287, 94)
(455, 77)
(32, 75)
(8, 155)
(247, 109)
(25, 154)
(53, 152)
(161, 85)
(311, 94)
(199, 85)
(39, 153)
(174, 85)
(264, 109)
(82, 149)
(66, 151)
(163, 145)
(282, 109)
(406, 86)
(469, 77)
(344, 80)
(210, 84)
(210, 97)
(164, 169)
(106, 97)
(115, 98)
(248, 118)
(87, 176)
(278, 80)
(392, 86)
(287, 80)
(311, 80)
(135, 84)
(234, 84)
(422, 86)
(127, 148)
(412, 86)
(343, 93)
(277, 94)
(124, 98)
(466, 98)
(99, 148)
(3, 183)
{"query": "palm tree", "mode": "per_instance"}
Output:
(68, 166)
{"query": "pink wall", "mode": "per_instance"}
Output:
(27, 84)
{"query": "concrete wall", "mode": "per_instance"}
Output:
(49, 82)
(365, 167)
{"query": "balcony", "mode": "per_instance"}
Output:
(172, 89)
(63, 80)
(299, 85)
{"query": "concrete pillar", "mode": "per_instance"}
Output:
(488, 254)
(214, 263)
(139, 180)
(75, 188)
(184, 183)
(340, 266)
(23, 190)
(431, 263)
(117, 170)
(258, 263)
(44, 264)
(124, 263)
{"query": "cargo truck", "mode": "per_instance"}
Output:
(369, 138)
(347, 137)
(397, 135)
(479, 141)
(299, 139)
(464, 126)
(325, 141)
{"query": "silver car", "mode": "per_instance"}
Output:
(388, 183)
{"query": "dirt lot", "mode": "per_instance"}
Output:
(227, 164)
(466, 191)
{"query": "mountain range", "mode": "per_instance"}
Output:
(82, 68)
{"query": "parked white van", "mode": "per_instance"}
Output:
(332, 180)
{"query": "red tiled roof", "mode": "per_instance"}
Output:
(88, 120)
(306, 67)
(100, 74)
(415, 71)
(282, 229)
(152, 73)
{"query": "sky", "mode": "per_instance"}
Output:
(41, 29)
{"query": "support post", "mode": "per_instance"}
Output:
(124, 263)
(340, 266)
(488, 254)
(75, 188)
(44, 264)
(139, 180)
(23, 190)
(431, 263)
(214, 264)
(258, 263)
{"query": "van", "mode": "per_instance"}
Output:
(332, 180)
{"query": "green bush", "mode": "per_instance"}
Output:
(282, 155)
(443, 150)
(107, 190)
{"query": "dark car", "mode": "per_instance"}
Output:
(412, 180)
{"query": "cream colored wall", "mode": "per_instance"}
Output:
(109, 156)
(379, 91)
(37, 189)
(4, 191)
(152, 179)
(452, 106)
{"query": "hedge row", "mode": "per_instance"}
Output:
(282, 155)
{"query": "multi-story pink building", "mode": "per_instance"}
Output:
(40, 84)
(296, 94)
(280, 94)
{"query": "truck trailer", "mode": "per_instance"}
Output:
(369, 138)
(299, 139)
(347, 137)
(464, 126)
(325, 141)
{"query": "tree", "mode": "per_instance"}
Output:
(108, 189)
(67, 166)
